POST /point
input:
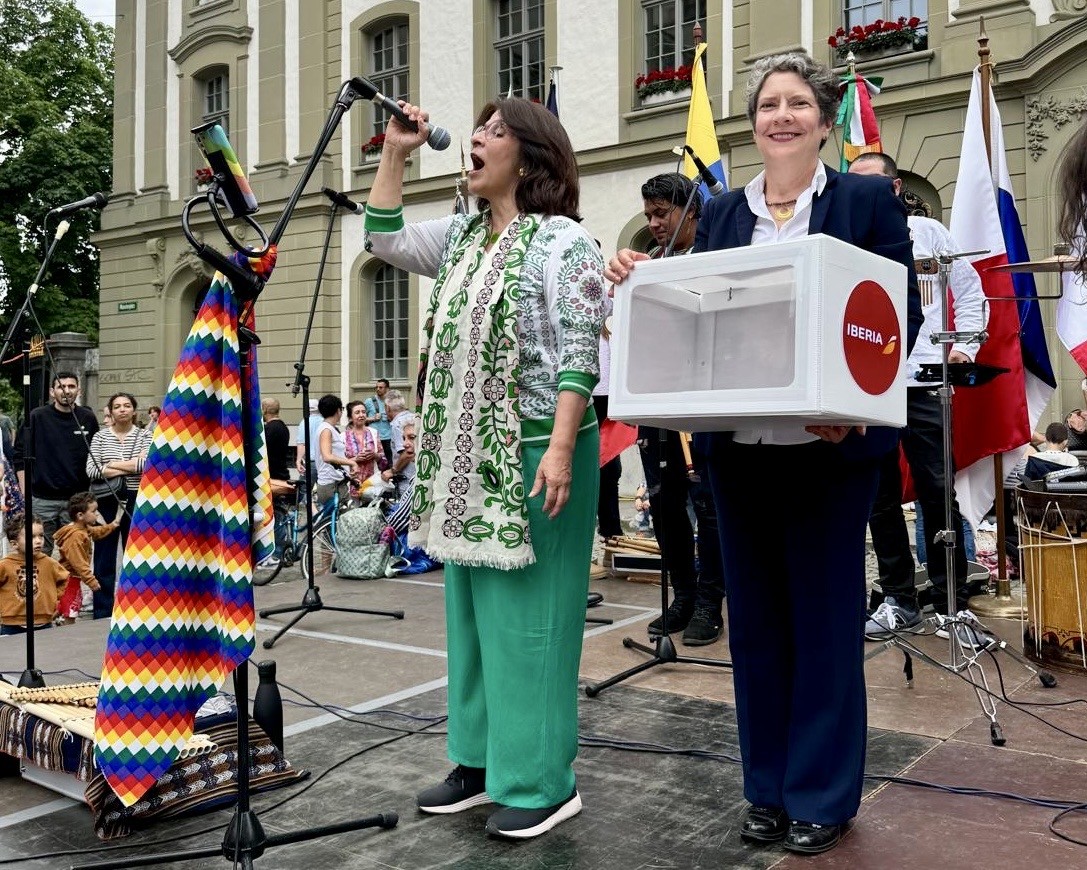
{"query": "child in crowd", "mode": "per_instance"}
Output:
(74, 545)
(50, 578)
(643, 522)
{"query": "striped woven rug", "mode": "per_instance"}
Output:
(183, 615)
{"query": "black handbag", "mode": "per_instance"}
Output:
(115, 486)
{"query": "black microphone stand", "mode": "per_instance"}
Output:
(245, 839)
(311, 600)
(663, 650)
(31, 677)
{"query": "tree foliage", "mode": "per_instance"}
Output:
(56, 142)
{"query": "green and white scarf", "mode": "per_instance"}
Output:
(468, 503)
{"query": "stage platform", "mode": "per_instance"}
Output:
(641, 810)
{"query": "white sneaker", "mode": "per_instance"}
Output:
(969, 630)
(891, 617)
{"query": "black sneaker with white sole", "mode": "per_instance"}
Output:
(464, 788)
(516, 823)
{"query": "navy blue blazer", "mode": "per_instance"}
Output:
(859, 209)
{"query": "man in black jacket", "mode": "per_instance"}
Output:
(278, 438)
(60, 437)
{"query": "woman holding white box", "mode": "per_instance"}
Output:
(796, 607)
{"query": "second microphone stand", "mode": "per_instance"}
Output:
(311, 599)
(663, 650)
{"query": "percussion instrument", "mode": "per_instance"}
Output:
(1062, 262)
(1053, 563)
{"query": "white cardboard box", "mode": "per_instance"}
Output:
(804, 332)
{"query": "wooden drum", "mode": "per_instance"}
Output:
(1053, 563)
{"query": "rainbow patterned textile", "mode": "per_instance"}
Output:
(183, 616)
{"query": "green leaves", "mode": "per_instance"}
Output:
(56, 143)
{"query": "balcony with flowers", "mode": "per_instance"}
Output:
(372, 150)
(663, 85)
(880, 38)
(202, 178)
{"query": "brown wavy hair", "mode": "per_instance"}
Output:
(1072, 195)
(550, 184)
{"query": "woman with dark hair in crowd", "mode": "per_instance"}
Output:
(510, 357)
(796, 604)
(362, 443)
(332, 466)
(114, 466)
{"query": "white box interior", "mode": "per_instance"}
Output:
(718, 325)
(748, 337)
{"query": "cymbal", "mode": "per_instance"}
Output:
(1056, 263)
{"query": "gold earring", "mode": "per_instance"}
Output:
(521, 172)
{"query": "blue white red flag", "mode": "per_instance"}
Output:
(1000, 416)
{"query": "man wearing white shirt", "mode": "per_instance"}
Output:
(922, 439)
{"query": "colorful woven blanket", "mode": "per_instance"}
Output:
(183, 615)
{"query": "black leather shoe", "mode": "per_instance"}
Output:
(811, 839)
(764, 825)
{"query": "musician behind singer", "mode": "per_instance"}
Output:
(696, 592)
(922, 439)
(793, 502)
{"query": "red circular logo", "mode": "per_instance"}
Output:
(870, 339)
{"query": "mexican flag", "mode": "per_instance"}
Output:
(857, 118)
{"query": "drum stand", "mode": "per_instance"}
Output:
(962, 658)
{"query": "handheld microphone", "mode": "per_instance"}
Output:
(708, 177)
(438, 138)
(95, 200)
(342, 201)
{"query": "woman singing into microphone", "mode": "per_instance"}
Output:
(508, 456)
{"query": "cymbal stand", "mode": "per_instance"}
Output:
(962, 658)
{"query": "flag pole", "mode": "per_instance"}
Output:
(1003, 605)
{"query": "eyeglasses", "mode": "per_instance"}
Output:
(491, 131)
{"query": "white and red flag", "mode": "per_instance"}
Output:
(1072, 314)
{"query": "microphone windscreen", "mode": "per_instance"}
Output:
(439, 138)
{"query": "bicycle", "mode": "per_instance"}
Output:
(296, 545)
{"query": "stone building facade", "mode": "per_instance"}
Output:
(270, 69)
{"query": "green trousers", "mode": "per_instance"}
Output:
(514, 645)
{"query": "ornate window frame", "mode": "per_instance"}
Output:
(376, 19)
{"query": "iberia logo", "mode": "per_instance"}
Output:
(870, 338)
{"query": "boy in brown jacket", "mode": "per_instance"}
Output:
(50, 578)
(74, 546)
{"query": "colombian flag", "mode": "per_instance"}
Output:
(701, 135)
